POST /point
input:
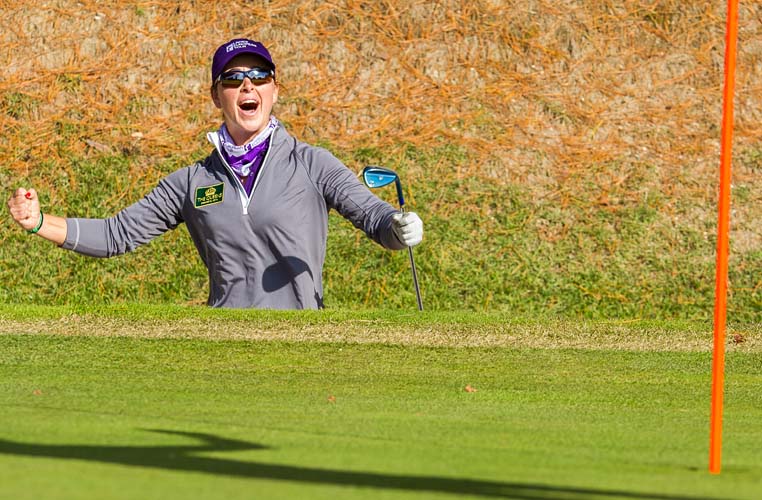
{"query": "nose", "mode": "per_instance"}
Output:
(247, 84)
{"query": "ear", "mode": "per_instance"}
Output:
(215, 96)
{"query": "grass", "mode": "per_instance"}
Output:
(176, 402)
(486, 248)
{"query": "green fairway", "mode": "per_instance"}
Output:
(167, 411)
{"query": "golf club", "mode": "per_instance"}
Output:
(376, 177)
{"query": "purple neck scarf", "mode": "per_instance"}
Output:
(245, 160)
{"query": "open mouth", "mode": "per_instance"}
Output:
(248, 105)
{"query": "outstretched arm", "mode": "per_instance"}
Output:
(25, 209)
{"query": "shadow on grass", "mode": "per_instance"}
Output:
(181, 458)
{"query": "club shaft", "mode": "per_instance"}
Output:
(412, 264)
(415, 279)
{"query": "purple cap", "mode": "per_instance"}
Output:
(235, 47)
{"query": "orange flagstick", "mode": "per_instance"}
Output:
(723, 229)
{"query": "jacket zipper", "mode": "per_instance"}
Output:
(245, 200)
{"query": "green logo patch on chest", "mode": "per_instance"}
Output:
(209, 195)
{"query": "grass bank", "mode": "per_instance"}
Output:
(564, 158)
(486, 248)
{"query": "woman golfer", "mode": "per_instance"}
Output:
(256, 207)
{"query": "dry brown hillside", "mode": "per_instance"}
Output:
(604, 100)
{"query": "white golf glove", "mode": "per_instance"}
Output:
(408, 228)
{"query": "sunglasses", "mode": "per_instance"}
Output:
(258, 76)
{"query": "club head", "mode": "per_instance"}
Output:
(376, 177)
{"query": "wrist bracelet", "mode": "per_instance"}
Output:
(39, 225)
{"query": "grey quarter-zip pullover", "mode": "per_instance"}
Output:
(265, 250)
